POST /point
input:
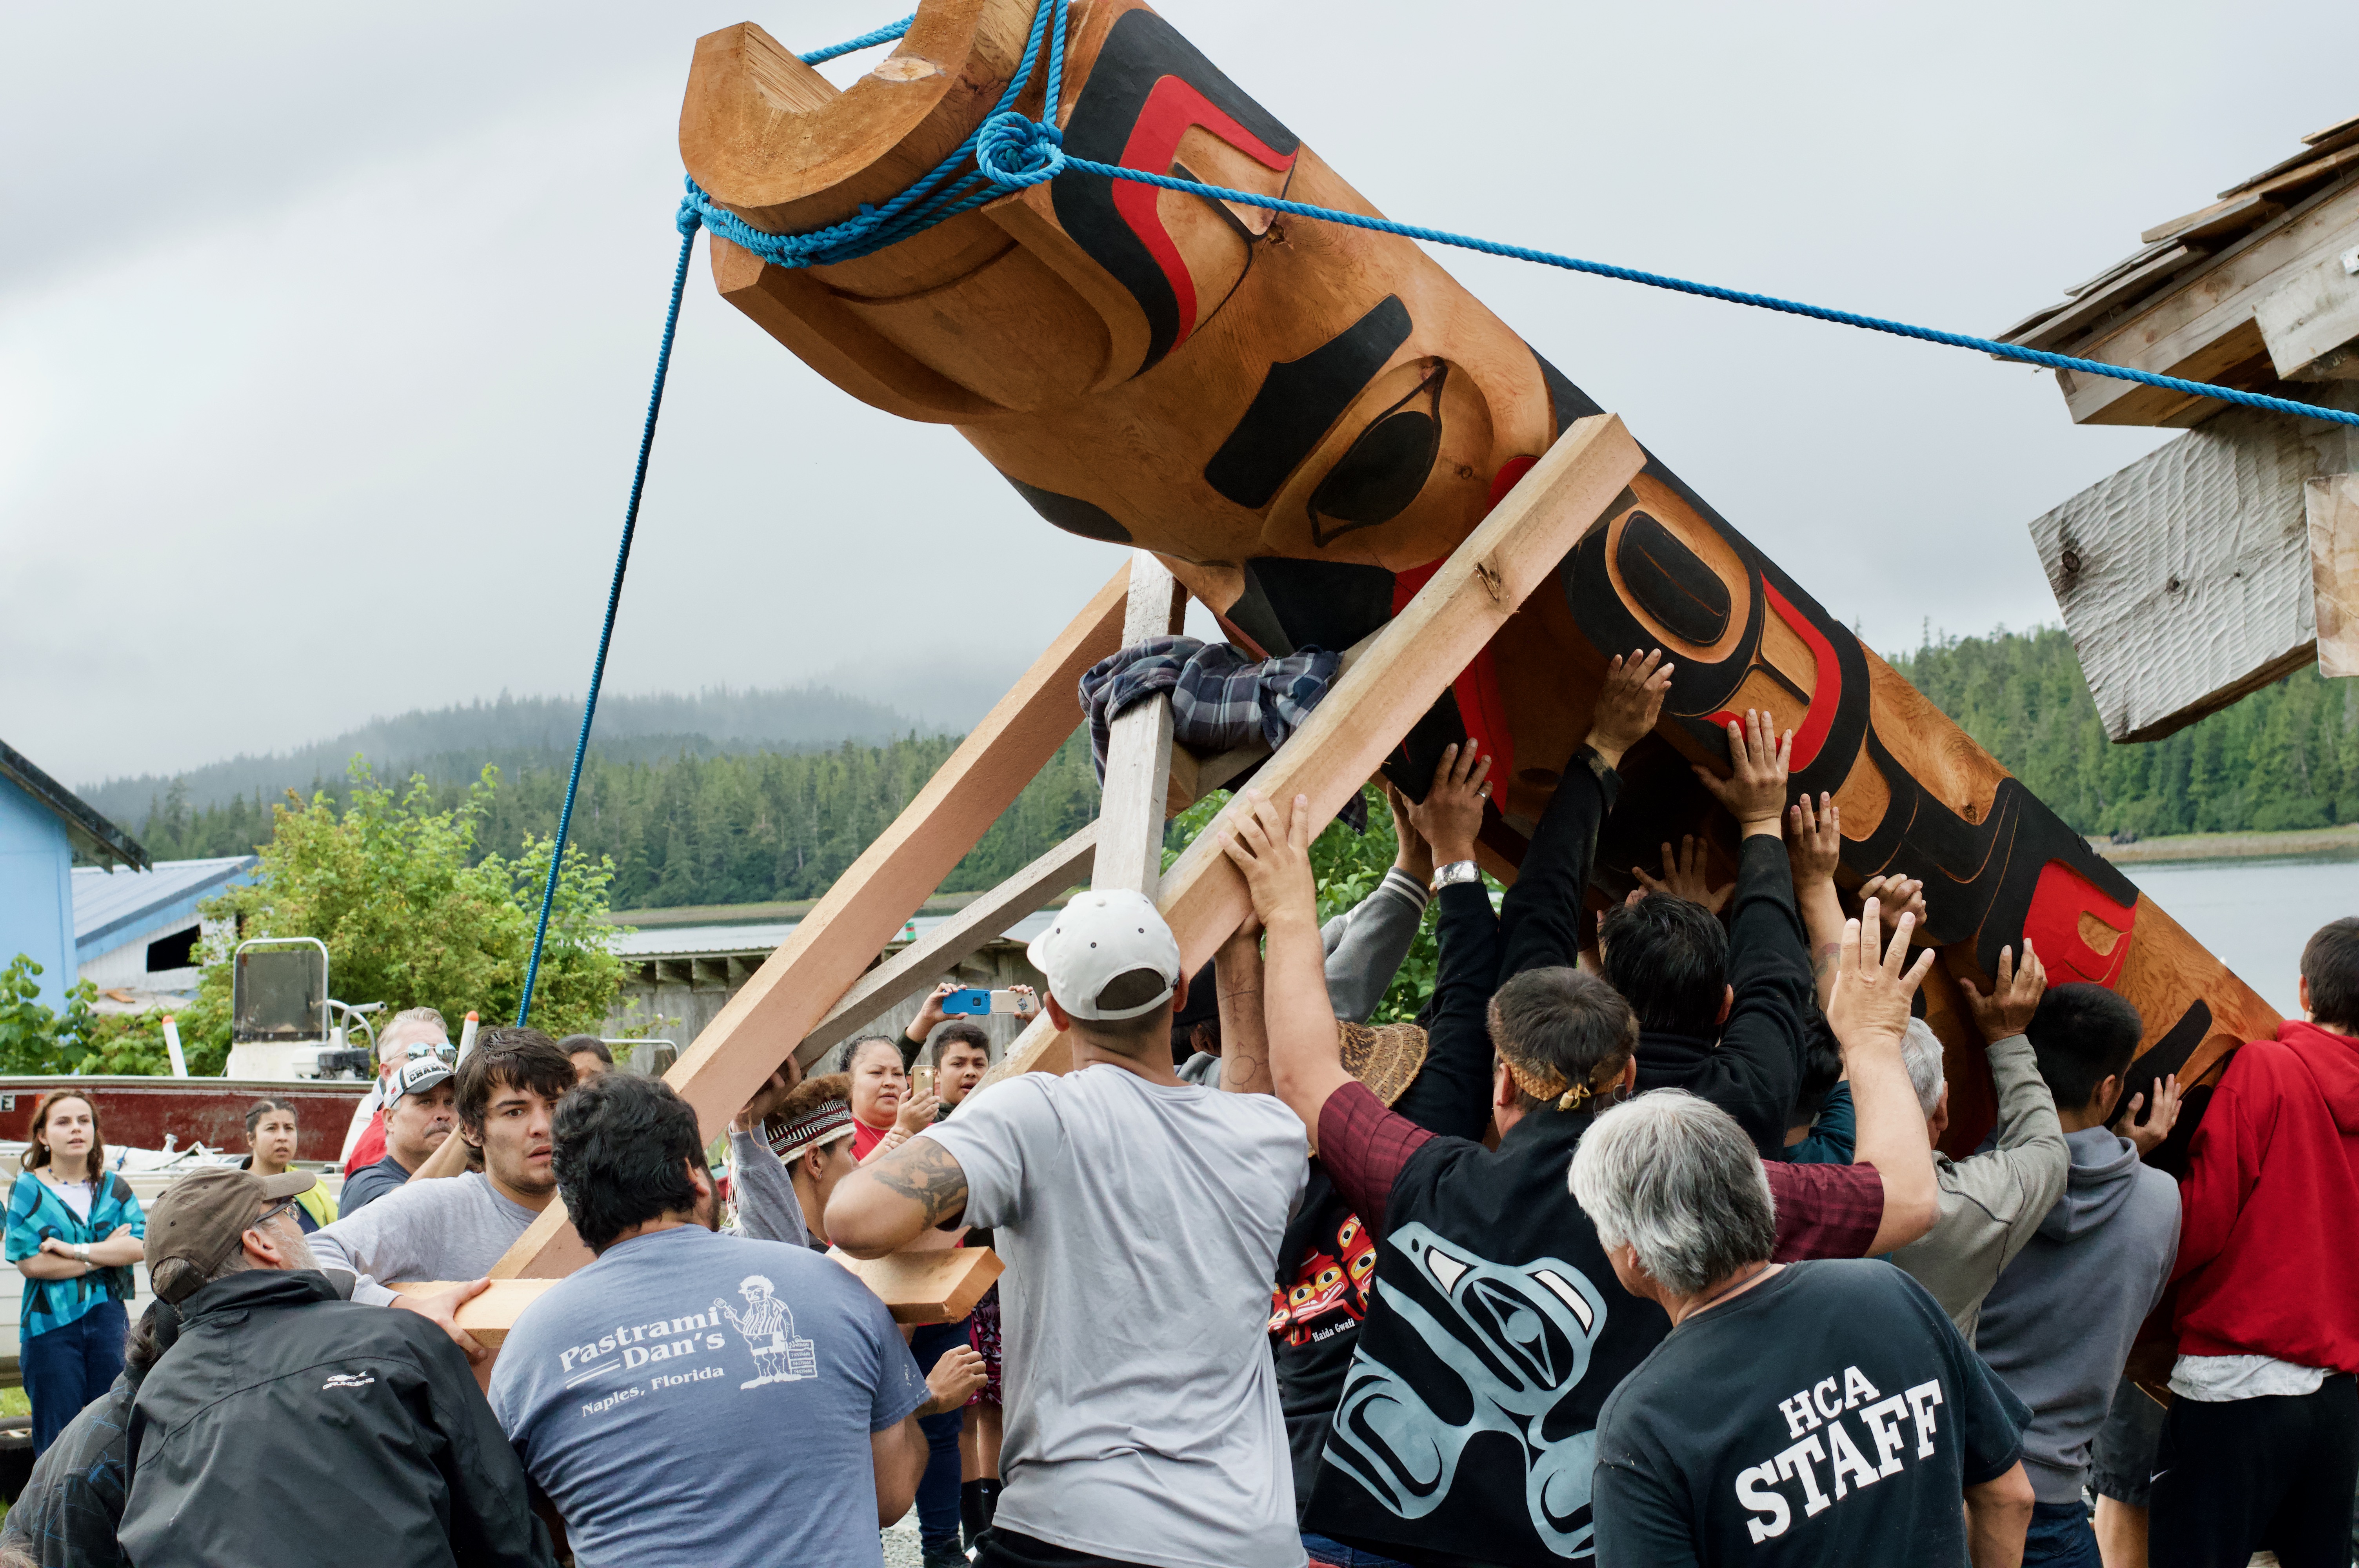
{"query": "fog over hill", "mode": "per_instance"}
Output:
(533, 732)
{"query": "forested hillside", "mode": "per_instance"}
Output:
(754, 828)
(2287, 756)
(720, 830)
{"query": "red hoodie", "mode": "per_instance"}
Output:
(2271, 1201)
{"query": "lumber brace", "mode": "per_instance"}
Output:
(1403, 671)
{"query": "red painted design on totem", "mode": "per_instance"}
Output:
(1512, 469)
(1476, 689)
(1171, 108)
(2052, 926)
(1826, 693)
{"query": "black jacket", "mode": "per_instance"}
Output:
(1754, 1069)
(291, 1427)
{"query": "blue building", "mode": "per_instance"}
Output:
(43, 826)
(138, 936)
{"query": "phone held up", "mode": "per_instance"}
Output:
(974, 1000)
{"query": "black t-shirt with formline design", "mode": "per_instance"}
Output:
(1831, 1414)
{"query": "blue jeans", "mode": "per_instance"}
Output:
(937, 1489)
(2060, 1535)
(71, 1365)
(1322, 1550)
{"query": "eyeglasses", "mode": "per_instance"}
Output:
(272, 1212)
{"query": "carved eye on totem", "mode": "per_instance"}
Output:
(1381, 472)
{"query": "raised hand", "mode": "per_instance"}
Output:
(1274, 854)
(1755, 791)
(769, 1096)
(2148, 1134)
(1450, 814)
(1814, 840)
(2008, 1009)
(1873, 989)
(1685, 877)
(1414, 857)
(1900, 894)
(917, 1112)
(1629, 703)
(929, 1014)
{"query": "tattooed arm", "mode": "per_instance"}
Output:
(1244, 1041)
(889, 1203)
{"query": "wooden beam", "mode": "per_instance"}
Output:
(2207, 313)
(915, 969)
(1136, 789)
(491, 1314)
(2332, 506)
(2184, 578)
(939, 1285)
(2310, 319)
(871, 901)
(1412, 661)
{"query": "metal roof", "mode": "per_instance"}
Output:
(759, 940)
(111, 906)
(89, 833)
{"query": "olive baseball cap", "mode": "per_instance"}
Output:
(197, 1222)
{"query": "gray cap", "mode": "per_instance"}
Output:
(418, 1075)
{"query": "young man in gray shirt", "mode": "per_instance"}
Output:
(1140, 1218)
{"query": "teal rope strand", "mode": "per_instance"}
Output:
(884, 35)
(688, 227)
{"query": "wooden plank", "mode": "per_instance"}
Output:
(939, 1285)
(2310, 319)
(2332, 506)
(843, 934)
(491, 1314)
(915, 969)
(2184, 578)
(1412, 661)
(2231, 215)
(2099, 303)
(1135, 791)
(2186, 329)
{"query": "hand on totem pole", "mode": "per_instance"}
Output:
(1450, 814)
(1628, 704)
(2148, 1134)
(1898, 895)
(2007, 1011)
(1755, 791)
(1684, 877)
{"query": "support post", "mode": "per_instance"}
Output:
(1372, 704)
(1133, 795)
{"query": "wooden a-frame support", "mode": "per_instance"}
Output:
(819, 985)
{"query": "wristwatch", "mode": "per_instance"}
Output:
(83, 1249)
(1456, 871)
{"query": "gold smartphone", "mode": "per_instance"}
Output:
(925, 1080)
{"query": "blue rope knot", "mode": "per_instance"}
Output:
(1014, 152)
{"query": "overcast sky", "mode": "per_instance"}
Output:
(325, 331)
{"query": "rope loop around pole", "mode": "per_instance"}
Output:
(1013, 152)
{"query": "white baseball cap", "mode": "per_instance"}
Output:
(1095, 938)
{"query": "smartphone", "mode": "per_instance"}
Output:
(925, 1080)
(974, 1000)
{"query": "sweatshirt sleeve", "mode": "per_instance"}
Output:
(2020, 1180)
(2223, 1160)
(359, 1245)
(492, 1522)
(1540, 919)
(1451, 1093)
(1754, 1073)
(1365, 945)
(768, 1209)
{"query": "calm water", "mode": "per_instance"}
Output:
(2255, 915)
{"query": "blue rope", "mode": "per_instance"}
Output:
(884, 35)
(1010, 153)
(688, 227)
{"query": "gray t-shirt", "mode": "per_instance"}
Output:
(698, 1400)
(451, 1228)
(1140, 1225)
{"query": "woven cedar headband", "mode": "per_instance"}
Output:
(821, 1122)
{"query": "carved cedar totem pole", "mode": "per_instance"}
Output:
(1303, 420)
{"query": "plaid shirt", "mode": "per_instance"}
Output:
(1220, 698)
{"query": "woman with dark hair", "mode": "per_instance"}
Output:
(74, 1230)
(271, 1133)
(885, 1114)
